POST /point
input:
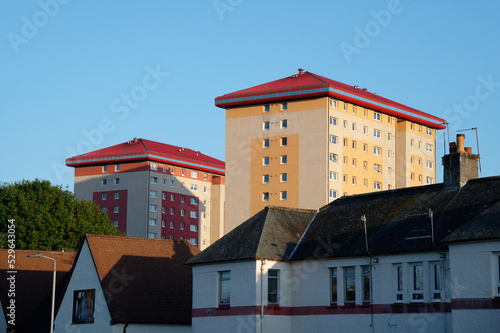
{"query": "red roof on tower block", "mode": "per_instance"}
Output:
(308, 85)
(142, 150)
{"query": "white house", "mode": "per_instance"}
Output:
(126, 284)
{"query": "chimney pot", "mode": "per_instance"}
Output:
(468, 150)
(460, 142)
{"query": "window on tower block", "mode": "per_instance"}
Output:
(105, 168)
(265, 179)
(117, 195)
(265, 196)
(104, 182)
(83, 306)
(283, 195)
(266, 108)
(265, 125)
(284, 123)
(193, 214)
(103, 196)
(265, 143)
(284, 141)
(376, 116)
(265, 160)
(333, 139)
(283, 177)
(284, 159)
(284, 106)
(333, 121)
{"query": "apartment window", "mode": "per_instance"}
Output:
(353, 126)
(284, 106)
(365, 147)
(344, 142)
(193, 214)
(265, 196)
(376, 133)
(171, 224)
(172, 197)
(265, 143)
(353, 180)
(344, 160)
(283, 177)
(117, 195)
(164, 196)
(376, 116)
(365, 165)
(411, 159)
(353, 144)
(412, 143)
(377, 186)
(153, 194)
(117, 181)
(377, 151)
(154, 166)
(163, 223)
(284, 141)
(172, 211)
(204, 189)
(117, 167)
(152, 222)
(103, 196)
(105, 168)
(164, 170)
(398, 283)
(429, 164)
(437, 281)
(417, 282)
(266, 108)
(183, 198)
(333, 285)
(419, 178)
(224, 288)
(353, 109)
(193, 227)
(265, 125)
(389, 153)
(153, 208)
(153, 180)
(272, 286)
(412, 176)
(104, 210)
(172, 170)
(104, 182)
(193, 201)
(429, 131)
(152, 235)
(194, 174)
(182, 212)
(411, 126)
(366, 276)
(345, 123)
(183, 185)
(345, 106)
(353, 162)
(333, 103)
(284, 123)
(163, 209)
(83, 306)
(333, 139)
(377, 168)
(194, 187)
(172, 183)
(389, 171)
(428, 147)
(283, 195)
(419, 128)
(183, 172)
(205, 176)
(365, 182)
(344, 178)
(333, 194)
(115, 222)
(116, 209)
(333, 175)
(333, 121)
(389, 136)
(284, 159)
(192, 240)
(333, 157)
(365, 130)
(171, 237)
(429, 180)
(389, 120)
(349, 285)
(163, 236)
(265, 179)
(182, 226)
(265, 160)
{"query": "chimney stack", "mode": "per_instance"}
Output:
(460, 164)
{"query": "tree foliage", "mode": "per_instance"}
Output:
(48, 217)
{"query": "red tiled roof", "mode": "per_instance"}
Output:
(145, 280)
(33, 286)
(308, 85)
(142, 150)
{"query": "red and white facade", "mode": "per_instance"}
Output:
(155, 190)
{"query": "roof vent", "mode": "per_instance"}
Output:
(365, 89)
(356, 87)
(301, 71)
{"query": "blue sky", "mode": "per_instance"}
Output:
(67, 68)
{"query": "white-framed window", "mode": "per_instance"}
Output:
(376, 133)
(365, 182)
(265, 179)
(265, 160)
(194, 187)
(194, 174)
(153, 194)
(204, 189)
(389, 135)
(333, 175)
(284, 106)
(411, 159)
(115, 222)
(117, 195)
(154, 166)
(429, 131)
(420, 145)
(366, 276)
(172, 183)
(117, 181)
(377, 151)
(193, 201)
(117, 167)
(164, 168)
(172, 170)
(365, 130)
(344, 160)
(182, 212)
(283, 195)
(419, 161)
(284, 141)
(420, 178)
(172, 197)
(389, 171)
(436, 281)
(103, 196)
(283, 123)
(389, 153)
(171, 224)
(152, 235)
(152, 222)
(377, 168)
(172, 210)
(333, 194)
(116, 209)
(429, 164)
(419, 129)
(163, 209)
(283, 177)
(265, 143)
(344, 178)
(333, 103)
(412, 176)
(429, 180)
(104, 168)
(265, 125)
(389, 119)
(428, 147)
(265, 196)
(411, 126)
(353, 144)
(163, 223)
(224, 288)
(273, 286)
(353, 127)
(104, 182)
(266, 108)
(345, 106)
(333, 285)
(412, 143)
(193, 214)
(284, 159)
(193, 240)
(182, 226)
(398, 283)
(345, 124)
(376, 116)
(183, 198)
(333, 139)
(365, 165)
(353, 180)
(153, 208)
(183, 172)
(354, 109)
(153, 180)
(344, 142)
(353, 162)
(333, 157)
(193, 227)
(333, 121)
(417, 282)
(349, 284)
(377, 186)
(364, 113)
(365, 147)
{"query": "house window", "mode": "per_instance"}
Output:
(419, 128)
(224, 288)
(345, 106)
(333, 175)
(417, 282)
(154, 166)
(420, 145)
(117, 167)
(283, 195)
(376, 133)
(83, 306)
(193, 214)
(284, 106)
(265, 125)
(105, 168)
(284, 123)
(266, 108)
(104, 182)
(350, 284)
(333, 103)
(377, 186)
(411, 126)
(152, 235)
(377, 168)
(333, 121)
(283, 177)
(364, 112)
(265, 179)
(344, 178)
(376, 116)
(265, 160)
(153, 180)
(333, 139)
(117, 195)
(419, 178)
(353, 162)
(117, 181)
(265, 196)
(103, 196)
(116, 209)
(265, 143)
(365, 182)
(272, 286)
(333, 194)
(377, 151)
(152, 222)
(333, 285)
(411, 159)
(284, 141)
(115, 222)
(389, 135)
(193, 227)
(333, 157)
(284, 159)
(163, 209)
(398, 283)
(353, 109)
(412, 176)
(365, 274)
(153, 194)
(429, 180)
(193, 201)
(353, 180)
(437, 281)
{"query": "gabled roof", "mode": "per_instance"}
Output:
(308, 85)
(272, 233)
(398, 221)
(146, 150)
(157, 286)
(33, 291)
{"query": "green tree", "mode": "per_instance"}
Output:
(48, 217)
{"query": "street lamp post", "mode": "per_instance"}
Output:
(39, 255)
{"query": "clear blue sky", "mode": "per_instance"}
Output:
(67, 68)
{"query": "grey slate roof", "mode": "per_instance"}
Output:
(272, 233)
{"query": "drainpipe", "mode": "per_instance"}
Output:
(262, 264)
